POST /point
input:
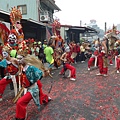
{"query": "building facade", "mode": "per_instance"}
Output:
(36, 15)
(74, 33)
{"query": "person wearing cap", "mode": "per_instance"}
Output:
(35, 50)
(45, 44)
(67, 60)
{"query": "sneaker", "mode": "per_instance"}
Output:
(105, 75)
(88, 68)
(99, 74)
(60, 73)
(73, 79)
(82, 61)
(1, 99)
(118, 71)
(49, 99)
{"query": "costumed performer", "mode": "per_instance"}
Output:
(11, 68)
(102, 63)
(31, 75)
(67, 60)
(93, 59)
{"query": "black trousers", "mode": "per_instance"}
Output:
(82, 56)
(2, 72)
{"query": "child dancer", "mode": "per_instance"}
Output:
(67, 60)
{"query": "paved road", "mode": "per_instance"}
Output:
(90, 97)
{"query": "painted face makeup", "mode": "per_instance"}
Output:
(5, 54)
(19, 59)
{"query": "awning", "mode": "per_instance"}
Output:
(91, 30)
(31, 21)
(4, 16)
(34, 23)
(84, 29)
(51, 4)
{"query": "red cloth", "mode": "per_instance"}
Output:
(26, 83)
(116, 52)
(22, 104)
(43, 97)
(1, 50)
(68, 57)
(71, 68)
(24, 100)
(118, 63)
(96, 52)
(11, 69)
(74, 48)
(77, 49)
(3, 83)
(91, 62)
(102, 69)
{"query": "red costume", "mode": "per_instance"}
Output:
(92, 59)
(118, 64)
(102, 64)
(12, 69)
(67, 65)
(30, 80)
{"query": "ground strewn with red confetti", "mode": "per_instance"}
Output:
(90, 97)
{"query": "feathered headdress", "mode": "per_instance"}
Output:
(15, 15)
(31, 60)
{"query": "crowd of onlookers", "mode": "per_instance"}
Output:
(48, 52)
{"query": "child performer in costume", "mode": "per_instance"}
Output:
(93, 59)
(66, 58)
(102, 63)
(11, 66)
(31, 77)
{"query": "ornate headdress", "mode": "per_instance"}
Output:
(6, 49)
(15, 18)
(15, 15)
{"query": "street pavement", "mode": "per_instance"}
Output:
(90, 97)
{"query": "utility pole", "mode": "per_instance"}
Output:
(80, 23)
(105, 27)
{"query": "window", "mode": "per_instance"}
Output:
(23, 9)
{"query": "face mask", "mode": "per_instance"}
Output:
(5, 54)
(20, 59)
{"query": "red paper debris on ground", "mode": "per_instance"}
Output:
(90, 97)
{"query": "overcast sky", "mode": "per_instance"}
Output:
(72, 11)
